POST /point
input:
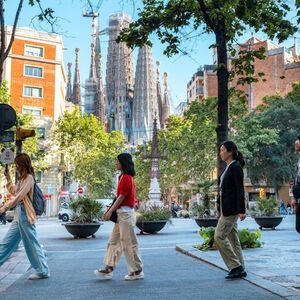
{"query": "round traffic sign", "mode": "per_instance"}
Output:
(7, 156)
(8, 116)
(80, 190)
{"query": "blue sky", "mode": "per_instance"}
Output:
(76, 31)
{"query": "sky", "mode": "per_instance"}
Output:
(76, 31)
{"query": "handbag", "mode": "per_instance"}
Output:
(114, 216)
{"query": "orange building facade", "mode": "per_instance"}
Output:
(36, 79)
(35, 73)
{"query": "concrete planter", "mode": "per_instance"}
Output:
(82, 230)
(206, 222)
(268, 222)
(151, 226)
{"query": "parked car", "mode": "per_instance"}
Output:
(64, 214)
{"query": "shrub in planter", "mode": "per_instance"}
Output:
(265, 213)
(153, 213)
(204, 215)
(86, 214)
(266, 207)
(86, 210)
(248, 239)
(152, 219)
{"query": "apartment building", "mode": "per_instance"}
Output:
(36, 78)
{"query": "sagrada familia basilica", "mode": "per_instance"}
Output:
(128, 102)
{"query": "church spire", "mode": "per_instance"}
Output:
(166, 102)
(145, 95)
(69, 84)
(76, 82)
(159, 94)
(92, 66)
(94, 92)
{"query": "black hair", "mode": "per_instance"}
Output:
(298, 137)
(127, 164)
(236, 154)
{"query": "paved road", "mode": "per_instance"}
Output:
(168, 274)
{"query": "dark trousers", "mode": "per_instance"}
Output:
(298, 217)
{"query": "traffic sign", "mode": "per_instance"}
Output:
(8, 116)
(80, 190)
(7, 156)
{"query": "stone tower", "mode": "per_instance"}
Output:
(159, 95)
(119, 78)
(145, 96)
(94, 93)
(69, 84)
(76, 95)
(166, 102)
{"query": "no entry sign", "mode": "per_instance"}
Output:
(80, 190)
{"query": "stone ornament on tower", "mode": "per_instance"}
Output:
(166, 81)
(158, 70)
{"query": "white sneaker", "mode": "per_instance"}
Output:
(104, 273)
(134, 276)
(38, 276)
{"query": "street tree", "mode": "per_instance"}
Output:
(45, 14)
(273, 155)
(89, 150)
(176, 21)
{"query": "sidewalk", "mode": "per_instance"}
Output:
(13, 269)
(275, 266)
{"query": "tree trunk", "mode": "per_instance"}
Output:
(222, 75)
(1, 72)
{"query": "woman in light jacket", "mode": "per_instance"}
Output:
(23, 226)
(123, 238)
(231, 207)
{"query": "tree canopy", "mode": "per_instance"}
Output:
(89, 150)
(273, 156)
(177, 21)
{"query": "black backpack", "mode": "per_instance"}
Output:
(38, 200)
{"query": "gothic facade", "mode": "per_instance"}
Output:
(125, 103)
(145, 105)
(119, 78)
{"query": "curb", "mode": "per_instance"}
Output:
(251, 277)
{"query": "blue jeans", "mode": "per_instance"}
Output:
(22, 229)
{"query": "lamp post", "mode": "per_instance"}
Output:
(154, 190)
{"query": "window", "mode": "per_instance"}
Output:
(41, 132)
(34, 51)
(30, 91)
(33, 71)
(32, 110)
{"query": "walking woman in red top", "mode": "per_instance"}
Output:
(123, 238)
